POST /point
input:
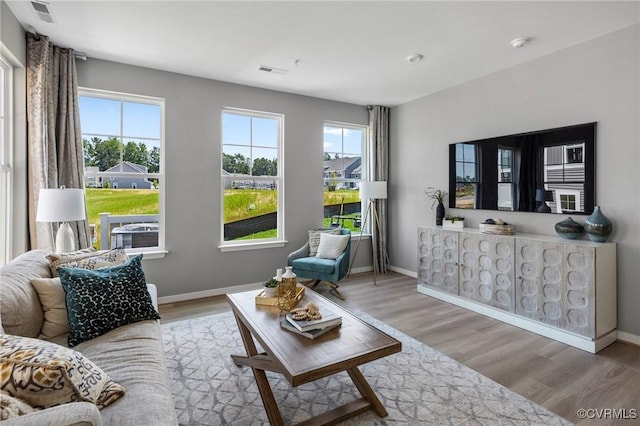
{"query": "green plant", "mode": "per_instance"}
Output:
(272, 283)
(437, 195)
(453, 218)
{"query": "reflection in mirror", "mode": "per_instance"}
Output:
(545, 171)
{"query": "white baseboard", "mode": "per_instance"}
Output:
(362, 269)
(208, 293)
(404, 271)
(623, 336)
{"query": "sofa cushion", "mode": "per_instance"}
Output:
(332, 246)
(87, 259)
(53, 304)
(19, 303)
(314, 264)
(133, 355)
(314, 238)
(44, 374)
(102, 300)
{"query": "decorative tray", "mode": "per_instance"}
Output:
(273, 301)
(486, 228)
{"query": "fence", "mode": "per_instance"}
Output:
(108, 222)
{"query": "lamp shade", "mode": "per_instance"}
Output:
(543, 195)
(60, 205)
(373, 190)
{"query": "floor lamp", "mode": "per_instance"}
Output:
(372, 191)
(61, 205)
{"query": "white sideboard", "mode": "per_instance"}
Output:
(561, 289)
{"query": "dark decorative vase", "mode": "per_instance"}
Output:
(597, 226)
(569, 229)
(439, 214)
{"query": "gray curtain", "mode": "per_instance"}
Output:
(53, 133)
(379, 171)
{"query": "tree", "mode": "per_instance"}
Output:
(265, 167)
(154, 160)
(136, 153)
(327, 156)
(236, 163)
(106, 153)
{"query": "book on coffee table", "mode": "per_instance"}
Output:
(329, 318)
(311, 334)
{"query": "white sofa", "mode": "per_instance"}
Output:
(132, 355)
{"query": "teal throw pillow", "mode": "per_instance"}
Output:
(101, 300)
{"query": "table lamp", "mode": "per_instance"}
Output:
(542, 196)
(61, 205)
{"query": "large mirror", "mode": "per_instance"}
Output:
(547, 171)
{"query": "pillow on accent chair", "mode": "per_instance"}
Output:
(53, 304)
(332, 246)
(90, 260)
(105, 299)
(44, 374)
(314, 239)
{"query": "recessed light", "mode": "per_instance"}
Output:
(519, 42)
(416, 57)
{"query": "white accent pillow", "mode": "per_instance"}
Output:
(332, 246)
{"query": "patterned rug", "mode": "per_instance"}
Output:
(419, 386)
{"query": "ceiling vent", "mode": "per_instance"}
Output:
(42, 10)
(272, 70)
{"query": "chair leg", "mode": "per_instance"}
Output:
(334, 289)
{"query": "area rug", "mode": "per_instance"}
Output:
(419, 386)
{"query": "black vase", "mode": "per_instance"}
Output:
(439, 214)
(569, 229)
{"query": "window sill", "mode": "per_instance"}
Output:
(251, 246)
(151, 254)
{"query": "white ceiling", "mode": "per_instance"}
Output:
(349, 51)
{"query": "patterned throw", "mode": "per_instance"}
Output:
(105, 299)
(44, 374)
(314, 239)
(418, 386)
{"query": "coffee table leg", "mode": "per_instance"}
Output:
(366, 391)
(269, 402)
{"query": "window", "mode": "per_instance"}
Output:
(123, 139)
(343, 172)
(564, 174)
(6, 145)
(466, 180)
(251, 174)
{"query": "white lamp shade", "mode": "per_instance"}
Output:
(373, 190)
(60, 205)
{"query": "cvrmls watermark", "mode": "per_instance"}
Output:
(607, 413)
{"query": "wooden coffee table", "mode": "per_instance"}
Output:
(303, 360)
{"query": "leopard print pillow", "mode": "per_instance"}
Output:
(105, 299)
(44, 374)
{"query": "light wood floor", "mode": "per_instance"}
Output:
(557, 376)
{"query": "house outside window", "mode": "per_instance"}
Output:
(6, 160)
(252, 179)
(344, 169)
(123, 139)
(564, 174)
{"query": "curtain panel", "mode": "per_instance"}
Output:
(379, 171)
(55, 151)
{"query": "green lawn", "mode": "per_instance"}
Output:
(239, 204)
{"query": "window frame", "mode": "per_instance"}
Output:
(160, 250)
(6, 160)
(261, 243)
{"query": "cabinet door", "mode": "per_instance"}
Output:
(486, 270)
(579, 292)
(539, 287)
(438, 259)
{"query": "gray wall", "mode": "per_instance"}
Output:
(14, 47)
(594, 81)
(192, 154)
